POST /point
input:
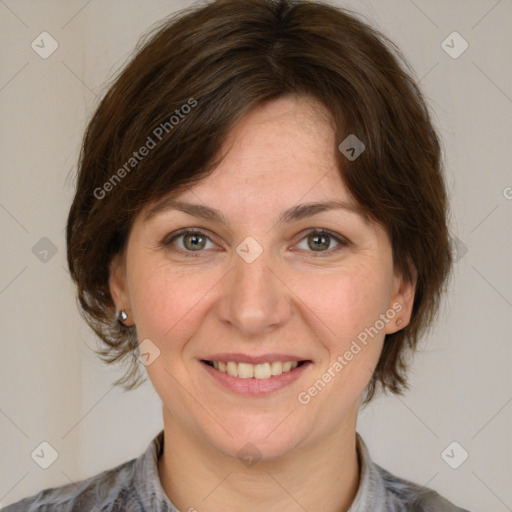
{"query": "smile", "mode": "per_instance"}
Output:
(254, 371)
(255, 379)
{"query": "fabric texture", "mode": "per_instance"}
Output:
(134, 486)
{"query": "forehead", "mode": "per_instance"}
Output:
(280, 153)
(294, 129)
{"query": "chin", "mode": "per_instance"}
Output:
(268, 438)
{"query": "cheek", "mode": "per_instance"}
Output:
(349, 301)
(166, 301)
(348, 307)
(168, 306)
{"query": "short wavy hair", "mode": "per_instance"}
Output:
(223, 59)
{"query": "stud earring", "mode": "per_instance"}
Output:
(122, 316)
(399, 322)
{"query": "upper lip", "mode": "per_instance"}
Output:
(245, 358)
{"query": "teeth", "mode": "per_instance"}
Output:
(245, 370)
(257, 371)
(276, 367)
(262, 371)
(232, 368)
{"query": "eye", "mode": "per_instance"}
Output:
(194, 241)
(319, 241)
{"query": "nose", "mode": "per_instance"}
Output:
(254, 298)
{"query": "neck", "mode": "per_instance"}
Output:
(321, 475)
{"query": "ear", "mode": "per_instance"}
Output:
(402, 299)
(118, 285)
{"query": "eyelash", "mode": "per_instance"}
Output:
(168, 242)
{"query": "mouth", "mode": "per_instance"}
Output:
(260, 371)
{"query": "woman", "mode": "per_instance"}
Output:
(260, 218)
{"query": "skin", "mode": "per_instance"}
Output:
(292, 299)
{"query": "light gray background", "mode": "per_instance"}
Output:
(54, 389)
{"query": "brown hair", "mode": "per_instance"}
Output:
(222, 60)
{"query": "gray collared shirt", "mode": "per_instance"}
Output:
(134, 486)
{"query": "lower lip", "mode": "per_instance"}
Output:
(256, 387)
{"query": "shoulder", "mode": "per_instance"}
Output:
(412, 497)
(99, 492)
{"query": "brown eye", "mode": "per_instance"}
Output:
(192, 242)
(320, 241)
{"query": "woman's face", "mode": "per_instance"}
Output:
(263, 287)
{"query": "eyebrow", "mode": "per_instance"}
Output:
(294, 213)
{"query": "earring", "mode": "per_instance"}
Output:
(399, 322)
(122, 316)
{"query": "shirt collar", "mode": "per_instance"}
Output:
(371, 491)
(147, 481)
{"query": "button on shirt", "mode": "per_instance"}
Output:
(134, 486)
